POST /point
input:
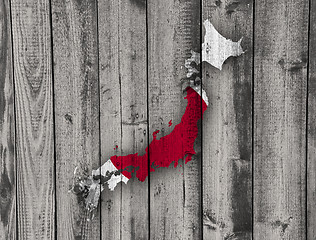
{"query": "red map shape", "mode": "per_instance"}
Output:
(179, 144)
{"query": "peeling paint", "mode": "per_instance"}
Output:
(216, 48)
(90, 187)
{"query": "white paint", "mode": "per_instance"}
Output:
(108, 166)
(115, 179)
(108, 169)
(198, 89)
(216, 48)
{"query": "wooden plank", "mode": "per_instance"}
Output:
(281, 49)
(122, 30)
(175, 193)
(76, 91)
(34, 119)
(133, 77)
(110, 111)
(7, 129)
(311, 130)
(227, 127)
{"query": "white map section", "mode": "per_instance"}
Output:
(198, 89)
(216, 48)
(109, 168)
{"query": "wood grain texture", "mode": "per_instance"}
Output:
(7, 129)
(311, 129)
(110, 111)
(227, 127)
(133, 79)
(281, 33)
(76, 88)
(100, 103)
(175, 193)
(34, 119)
(122, 24)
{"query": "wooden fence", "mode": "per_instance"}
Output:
(80, 77)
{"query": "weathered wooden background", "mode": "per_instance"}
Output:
(78, 77)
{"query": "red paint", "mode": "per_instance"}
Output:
(115, 147)
(155, 134)
(179, 144)
(170, 123)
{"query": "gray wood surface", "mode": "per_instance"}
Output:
(311, 129)
(110, 111)
(81, 81)
(34, 119)
(122, 35)
(122, 31)
(280, 67)
(175, 193)
(7, 129)
(76, 103)
(227, 127)
(133, 80)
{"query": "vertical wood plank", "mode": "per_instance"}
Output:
(227, 127)
(76, 95)
(175, 193)
(7, 129)
(311, 130)
(281, 33)
(110, 110)
(34, 119)
(122, 28)
(133, 77)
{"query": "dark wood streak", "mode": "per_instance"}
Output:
(5, 196)
(241, 168)
(311, 128)
(243, 108)
(7, 130)
(281, 41)
(139, 3)
(227, 127)
(241, 190)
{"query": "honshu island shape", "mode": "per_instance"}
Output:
(179, 144)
